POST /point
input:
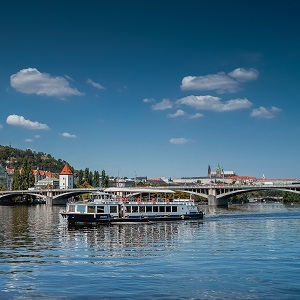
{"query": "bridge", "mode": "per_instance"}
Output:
(216, 195)
(50, 196)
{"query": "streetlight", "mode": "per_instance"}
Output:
(119, 177)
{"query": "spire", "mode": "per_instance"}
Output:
(66, 170)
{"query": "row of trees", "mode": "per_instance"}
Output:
(87, 178)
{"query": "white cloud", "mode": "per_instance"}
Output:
(31, 81)
(164, 104)
(265, 113)
(220, 82)
(20, 121)
(242, 74)
(37, 136)
(178, 113)
(195, 116)
(148, 100)
(28, 140)
(179, 140)
(214, 103)
(95, 84)
(68, 135)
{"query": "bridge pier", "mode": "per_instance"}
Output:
(214, 201)
(49, 200)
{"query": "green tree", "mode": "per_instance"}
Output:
(96, 179)
(104, 179)
(27, 177)
(2, 187)
(86, 174)
(80, 177)
(90, 179)
(16, 183)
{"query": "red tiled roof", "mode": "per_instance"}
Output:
(66, 170)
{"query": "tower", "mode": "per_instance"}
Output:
(66, 178)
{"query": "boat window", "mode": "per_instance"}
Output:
(71, 208)
(142, 209)
(174, 208)
(128, 208)
(155, 208)
(148, 208)
(91, 209)
(100, 209)
(168, 208)
(113, 209)
(162, 209)
(80, 208)
(134, 208)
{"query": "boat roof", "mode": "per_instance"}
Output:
(138, 190)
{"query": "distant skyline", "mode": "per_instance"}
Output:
(154, 88)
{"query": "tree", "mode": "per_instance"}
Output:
(16, 183)
(27, 177)
(80, 177)
(86, 174)
(104, 179)
(90, 178)
(96, 179)
(2, 187)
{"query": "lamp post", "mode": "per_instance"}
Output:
(118, 182)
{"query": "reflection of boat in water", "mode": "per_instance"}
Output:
(132, 205)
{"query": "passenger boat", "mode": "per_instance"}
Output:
(131, 205)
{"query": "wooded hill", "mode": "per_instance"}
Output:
(13, 158)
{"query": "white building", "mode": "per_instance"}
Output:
(66, 178)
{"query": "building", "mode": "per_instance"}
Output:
(48, 182)
(66, 178)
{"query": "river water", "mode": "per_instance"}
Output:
(247, 252)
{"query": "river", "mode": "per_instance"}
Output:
(246, 252)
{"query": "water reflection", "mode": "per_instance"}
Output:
(123, 239)
(246, 208)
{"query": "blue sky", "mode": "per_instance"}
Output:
(154, 88)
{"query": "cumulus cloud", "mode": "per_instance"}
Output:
(95, 84)
(20, 121)
(243, 75)
(179, 140)
(214, 103)
(178, 113)
(68, 135)
(220, 82)
(31, 81)
(164, 104)
(28, 140)
(265, 113)
(195, 116)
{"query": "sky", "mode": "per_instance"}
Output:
(154, 88)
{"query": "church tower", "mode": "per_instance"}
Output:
(66, 178)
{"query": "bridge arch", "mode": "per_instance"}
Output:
(244, 191)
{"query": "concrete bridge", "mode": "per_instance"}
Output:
(51, 196)
(217, 195)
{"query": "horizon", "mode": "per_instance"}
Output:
(158, 88)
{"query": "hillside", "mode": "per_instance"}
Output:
(13, 158)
